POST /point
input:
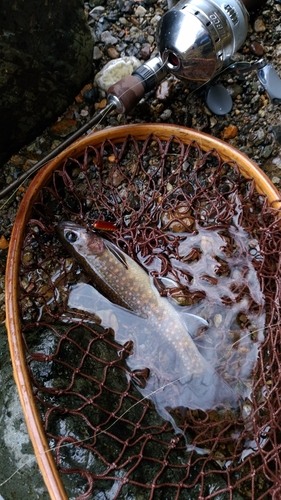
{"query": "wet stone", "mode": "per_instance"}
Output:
(90, 95)
(267, 152)
(97, 54)
(235, 90)
(277, 133)
(230, 132)
(256, 49)
(145, 51)
(64, 128)
(107, 38)
(259, 26)
(163, 90)
(113, 53)
(140, 11)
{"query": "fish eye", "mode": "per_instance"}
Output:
(71, 236)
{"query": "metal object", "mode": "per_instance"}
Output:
(218, 99)
(197, 38)
(271, 82)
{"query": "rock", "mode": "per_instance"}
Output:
(234, 90)
(256, 48)
(267, 151)
(90, 95)
(64, 128)
(113, 53)
(167, 113)
(277, 133)
(3, 242)
(229, 132)
(145, 51)
(96, 12)
(114, 70)
(278, 49)
(163, 90)
(97, 54)
(45, 58)
(259, 25)
(132, 51)
(140, 11)
(107, 38)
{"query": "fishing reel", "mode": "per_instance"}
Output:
(196, 40)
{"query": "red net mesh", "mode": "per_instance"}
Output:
(186, 215)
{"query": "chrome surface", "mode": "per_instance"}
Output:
(197, 38)
(271, 82)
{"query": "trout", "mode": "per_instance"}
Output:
(191, 382)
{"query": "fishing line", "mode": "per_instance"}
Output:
(113, 423)
(59, 149)
(91, 437)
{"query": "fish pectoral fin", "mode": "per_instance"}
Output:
(116, 252)
(166, 282)
(193, 323)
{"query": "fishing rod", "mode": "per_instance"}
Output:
(196, 40)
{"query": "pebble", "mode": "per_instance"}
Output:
(267, 151)
(155, 20)
(97, 54)
(259, 26)
(124, 21)
(140, 11)
(278, 49)
(163, 90)
(217, 320)
(277, 133)
(113, 53)
(107, 38)
(96, 12)
(3, 242)
(256, 48)
(229, 132)
(64, 128)
(167, 113)
(90, 95)
(277, 161)
(235, 90)
(145, 51)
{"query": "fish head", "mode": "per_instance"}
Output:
(78, 238)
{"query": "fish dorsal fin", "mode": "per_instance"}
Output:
(116, 252)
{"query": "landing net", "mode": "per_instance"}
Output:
(186, 215)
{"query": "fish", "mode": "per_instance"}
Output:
(190, 381)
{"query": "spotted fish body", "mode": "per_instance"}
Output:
(126, 283)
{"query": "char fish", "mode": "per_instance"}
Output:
(190, 382)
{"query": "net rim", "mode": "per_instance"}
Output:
(227, 152)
